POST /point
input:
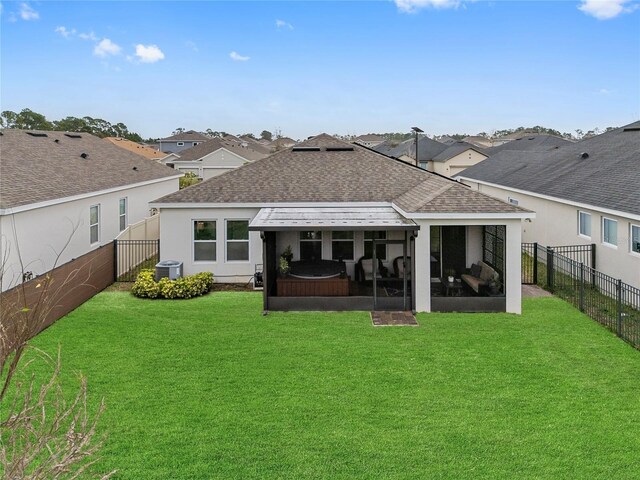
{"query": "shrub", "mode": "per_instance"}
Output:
(190, 286)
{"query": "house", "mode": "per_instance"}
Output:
(144, 150)
(181, 141)
(213, 157)
(584, 193)
(478, 141)
(369, 140)
(281, 143)
(68, 193)
(457, 157)
(530, 143)
(364, 231)
(406, 151)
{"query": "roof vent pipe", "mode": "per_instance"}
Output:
(584, 155)
(84, 155)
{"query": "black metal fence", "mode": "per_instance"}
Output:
(608, 300)
(132, 256)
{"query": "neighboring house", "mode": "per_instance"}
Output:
(253, 144)
(281, 143)
(144, 150)
(530, 143)
(406, 151)
(478, 141)
(453, 160)
(213, 157)
(181, 141)
(68, 193)
(585, 192)
(369, 140)
(446, 139)
(337, 205)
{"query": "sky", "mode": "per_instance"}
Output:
(302, 68)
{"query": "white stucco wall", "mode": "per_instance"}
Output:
(512, 285)
(176, 242)
(40, 234)
(556, 223)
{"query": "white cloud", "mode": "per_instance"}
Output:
(283, 24)
(88, 36)
(606, 9)
(235, 56)
(27, 13)
(411, 6)
(149, 53)
(106, 47)
(64, 32)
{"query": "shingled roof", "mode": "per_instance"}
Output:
(39, 166)
(427, 149)
(602, 171)
(456, 149)
(188, 136)
(210, 146)
(531, 143)
(326, 170)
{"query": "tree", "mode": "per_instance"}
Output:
(178, 131)
(188, 179)
(8, 119)
(28, 120)
(266, 135)
(42, 434)
(72, 124)
(250, 135)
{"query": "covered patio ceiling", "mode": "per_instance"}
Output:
(338, 218)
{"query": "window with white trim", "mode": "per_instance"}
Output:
(381, 248)
(584, 224)
(204, 240)
(94, 224)
(122, 213)
(180, 144)
(609, 231)
(342, 245)
(311, 245)
(635, 238)
(513, 201)
(237, 240)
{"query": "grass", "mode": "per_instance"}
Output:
(209, 388)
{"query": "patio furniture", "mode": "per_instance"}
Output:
(479, 276)
(452, 289)
(398, 268)
(364, 269)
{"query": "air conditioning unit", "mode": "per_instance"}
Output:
(170, 269)
(258, 278)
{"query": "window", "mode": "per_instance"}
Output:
(180, 144)
(635, 238)
(513, 201)
(94, 223)
(423, 165)
(204, 241)
(196, 143)
(381, 248)
(609, 231)
(310, 245)
(584, 224)
(122, 213)
(237, 240)
(342, 245)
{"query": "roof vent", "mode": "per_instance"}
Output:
(57, 140)
(36, 134)
(339, 149)
(305, 149)
(72, 135)
(584, 155)
(84, 155)
(632, 129)
(135, 168)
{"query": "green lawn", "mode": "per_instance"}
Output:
(209, 388)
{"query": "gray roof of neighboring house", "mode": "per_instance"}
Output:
(188, 136)
(477, 140)
(39, 168)
(531, 143)
(369, 137)
(253, 144)
(608, 177)
(427, 149)
(351, 174)
(456, 149)
(205, 148)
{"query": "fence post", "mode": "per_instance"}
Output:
(582, 287)
(593, 264)
(115, 260)
(619, 298)
(535, 263)
(550, 279)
